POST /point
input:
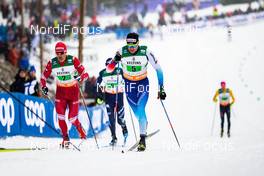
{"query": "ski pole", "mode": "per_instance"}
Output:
(89, 119)
(213, 122)
(116, 99)
(233, 112)
(133, 124)
(46, 123)
(170, 123)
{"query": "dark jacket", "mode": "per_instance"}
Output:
(18, 85)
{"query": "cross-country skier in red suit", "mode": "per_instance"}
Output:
(67, 94)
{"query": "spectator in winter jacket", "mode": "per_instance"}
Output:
(32, 85)
(19, 84)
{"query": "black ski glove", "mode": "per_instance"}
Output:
(117, 57)
(162, 94)
(45, 90)
(77, 78)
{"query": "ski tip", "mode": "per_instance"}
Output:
(15, 149)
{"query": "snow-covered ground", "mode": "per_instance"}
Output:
(193, 63)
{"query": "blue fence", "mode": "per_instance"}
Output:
(15, 119)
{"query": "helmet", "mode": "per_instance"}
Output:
(132, 38)
(60, 47)
(108, 61)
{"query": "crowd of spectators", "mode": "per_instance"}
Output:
(166, 12)
(15, 44)
(220, 15)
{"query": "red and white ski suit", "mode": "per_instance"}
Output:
(67, 91)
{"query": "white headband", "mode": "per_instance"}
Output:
(131, 40)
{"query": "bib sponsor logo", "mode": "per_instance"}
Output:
(143, 51)
(30, 118)
(54, 62)
(133, 62)
(7, 113)
(63, 73)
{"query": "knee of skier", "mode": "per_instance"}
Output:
(74, 120)
(121, 121)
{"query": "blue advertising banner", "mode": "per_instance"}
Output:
(9, 116)
(16, 119)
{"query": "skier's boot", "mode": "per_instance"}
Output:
(222, 133)
(113, 141)
(65, 142)
(228, 134)
(125, 132)
(142, 143)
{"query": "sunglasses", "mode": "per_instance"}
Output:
(132, 45)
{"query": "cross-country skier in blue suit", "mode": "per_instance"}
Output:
(134, 60)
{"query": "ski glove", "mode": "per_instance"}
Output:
(99, 101)
(117, 57)
(45, 90)
(162, 94)
(78, 78)
(81, 78)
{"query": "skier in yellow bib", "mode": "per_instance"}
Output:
(224, 94)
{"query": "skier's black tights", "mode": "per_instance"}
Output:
(110, 100)
(225, 110)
